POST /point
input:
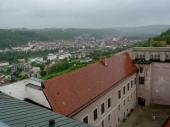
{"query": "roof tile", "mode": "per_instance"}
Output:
(72, 91)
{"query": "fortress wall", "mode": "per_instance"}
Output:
(160, 83)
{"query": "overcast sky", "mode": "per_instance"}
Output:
(82, 13)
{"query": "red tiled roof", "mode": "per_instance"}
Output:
(67, 94)
(167, 123)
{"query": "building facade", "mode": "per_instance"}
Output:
(154, 70)
(111, 109)
(28, 89)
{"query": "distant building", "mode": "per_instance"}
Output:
(34, 72)
(23, 61)
(86, 60)
(21, 66)
(2, 64)
(4, 79)
(51, 57)
(64, 56)
(37, 60)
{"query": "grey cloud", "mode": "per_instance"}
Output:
(83, 13)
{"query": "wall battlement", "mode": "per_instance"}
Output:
(161, 54)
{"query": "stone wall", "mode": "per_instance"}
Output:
(160, 81)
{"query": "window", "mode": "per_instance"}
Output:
(132, 84)
(119, 94)
(141, 69)
(134, 94)
(131, 95)
(124, 90)
(109, 117)
(102, 123)
(86, 119)
(124, 102)
(109, 103)
(119, 107)
(141, 80)
(128, 98)
(151, 56)
(135, 80)
(128, 86)
(118, 119)
(141, 56)
(102, 108)
(95, 114)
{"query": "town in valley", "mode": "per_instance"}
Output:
(84, 63)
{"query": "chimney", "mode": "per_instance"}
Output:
(42, 85)
(52, 123)
(104, 61)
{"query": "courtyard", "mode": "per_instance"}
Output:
(143, 117)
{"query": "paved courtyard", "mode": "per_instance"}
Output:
(142, 117)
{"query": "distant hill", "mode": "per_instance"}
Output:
(143, 31)
(9, 38)
(161, 40)
(165, 36)
(14, 37)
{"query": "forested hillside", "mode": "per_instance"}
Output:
(165, 36)
(9, 38)
(14, 37)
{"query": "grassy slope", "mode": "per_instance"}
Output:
(58, 73)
